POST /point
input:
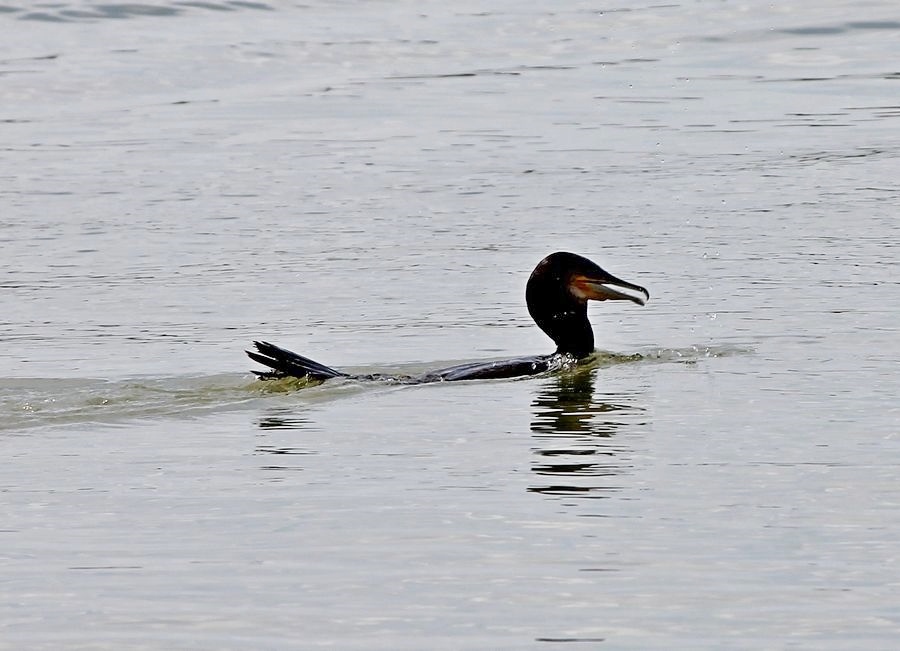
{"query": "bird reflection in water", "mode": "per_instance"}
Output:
(573, 431)
(284, 457)
(286, 420)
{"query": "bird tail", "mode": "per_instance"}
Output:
(285, 363)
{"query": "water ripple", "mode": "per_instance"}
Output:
(90, 12)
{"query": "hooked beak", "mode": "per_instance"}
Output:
(599, 287)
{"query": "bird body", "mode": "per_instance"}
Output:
(556, 295)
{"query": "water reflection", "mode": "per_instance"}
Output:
(574, 432)
(284, 419)
(281, 455)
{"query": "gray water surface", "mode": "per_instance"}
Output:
(370, 184)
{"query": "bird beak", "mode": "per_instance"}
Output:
(599, 287)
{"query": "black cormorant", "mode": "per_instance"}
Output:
(557, 294)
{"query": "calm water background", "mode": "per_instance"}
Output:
(370, 183)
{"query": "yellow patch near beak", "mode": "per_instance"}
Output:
(586, 288)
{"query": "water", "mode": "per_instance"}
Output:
(370, 184)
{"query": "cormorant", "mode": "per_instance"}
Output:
(556, 294)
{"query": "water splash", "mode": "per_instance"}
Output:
(34, 402)
(693, 354)
(40, 402)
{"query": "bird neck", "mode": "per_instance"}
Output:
(568, 327)
(574, 336)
